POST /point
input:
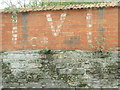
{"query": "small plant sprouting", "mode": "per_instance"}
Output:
(46, 51)
(99, 47)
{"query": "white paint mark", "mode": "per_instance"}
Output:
(14, 27)
(48, 15)
(55, 34)
(89, 25)
(89, 14)
(59, 26)
(15, 38)
(34, 45)
(89, 33)
(90, 41)
(88, 17)
(49, 19)
(15, 35)
(44, 40)
(14, 31)
(89, 37)
(57, 30)
(63, 15)
(16, 21)
(32, 39)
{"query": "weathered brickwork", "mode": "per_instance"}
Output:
(60, 69)
(59, 30)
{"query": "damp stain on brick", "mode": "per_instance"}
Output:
(73, 40)
(101, 28)
(101, 13)
(24, 28)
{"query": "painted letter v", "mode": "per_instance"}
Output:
(56, 31)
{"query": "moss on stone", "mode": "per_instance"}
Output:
(82, 85)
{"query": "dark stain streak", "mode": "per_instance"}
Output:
(101, 28)
(73, 40)
(24, 28)
(101, 13)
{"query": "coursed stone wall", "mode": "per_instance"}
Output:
(60, 69)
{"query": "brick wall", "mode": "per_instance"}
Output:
(63, 29)
(0, 32)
